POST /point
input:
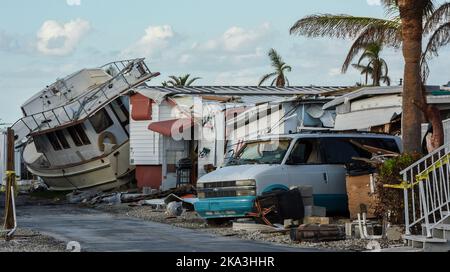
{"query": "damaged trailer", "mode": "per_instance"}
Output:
(180, 134)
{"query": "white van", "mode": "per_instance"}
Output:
(281, 162)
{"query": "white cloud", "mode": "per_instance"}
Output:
(374, 2)
(236, 39)
(73, 2)
(58, 39)
(155, 39)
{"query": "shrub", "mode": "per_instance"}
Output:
(392, 200)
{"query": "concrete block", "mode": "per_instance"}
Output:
(394, 233)
(315, 211)
(316, 220)
(308, 201)
(305, 190)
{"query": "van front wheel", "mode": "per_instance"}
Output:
(217, 221)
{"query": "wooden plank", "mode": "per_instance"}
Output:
(9, 213)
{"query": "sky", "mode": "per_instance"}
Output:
(223, 42)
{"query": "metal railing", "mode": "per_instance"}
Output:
(125, 75)
(426, 186)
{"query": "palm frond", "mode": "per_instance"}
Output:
(384, 67)
(339, 26)
(274, 81)
(440, 15)
(287, 68)
(189, 83)
(386, 80)
(265, 77)
(287, 81)
(275, 59)
(440, 38)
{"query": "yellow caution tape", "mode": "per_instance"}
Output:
(403, 185)
(424, 175)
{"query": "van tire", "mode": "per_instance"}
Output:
(216, 222)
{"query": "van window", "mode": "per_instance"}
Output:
(101, 121)
(386, 144)
(341, 151)
(306, 151)
(262, 152)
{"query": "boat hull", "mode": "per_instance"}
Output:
(103, 174)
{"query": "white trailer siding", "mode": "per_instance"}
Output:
(145, 145)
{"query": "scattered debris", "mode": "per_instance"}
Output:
(253, 227)
(318, 233)
(316, 220)
(174, 209)
(394, 233)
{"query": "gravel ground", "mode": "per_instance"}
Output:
(31, 241)
(192, 221)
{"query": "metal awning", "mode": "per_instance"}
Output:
(172, 127)
(366, 119)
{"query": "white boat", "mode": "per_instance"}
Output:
(75, 132)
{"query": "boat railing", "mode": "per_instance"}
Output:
(125, 74)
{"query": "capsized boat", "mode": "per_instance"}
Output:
(75, 133)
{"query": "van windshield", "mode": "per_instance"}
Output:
(261, 152)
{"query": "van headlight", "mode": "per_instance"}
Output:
(245, 193)
(249, 182)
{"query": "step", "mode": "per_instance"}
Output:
(427, 244)
(443, 227)
(401, 249)
(424, 239)
(442, 231)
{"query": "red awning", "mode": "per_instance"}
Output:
(168, 127)
(141, 108)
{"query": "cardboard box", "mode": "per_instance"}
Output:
(361, 195)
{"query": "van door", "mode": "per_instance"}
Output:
(337, 153)
(305, 166)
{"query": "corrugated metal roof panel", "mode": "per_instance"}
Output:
(249, 90)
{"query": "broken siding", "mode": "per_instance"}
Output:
(145, 145)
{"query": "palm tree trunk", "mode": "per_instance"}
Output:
(280, 82)
(411, 12)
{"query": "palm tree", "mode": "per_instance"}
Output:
(280, 80)
(408, 22)
(181, 81)
(376, 66)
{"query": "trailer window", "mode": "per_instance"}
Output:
(101, 121)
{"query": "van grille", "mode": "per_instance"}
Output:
(221, 184)
(220, 194)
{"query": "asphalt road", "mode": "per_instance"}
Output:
(99, 231)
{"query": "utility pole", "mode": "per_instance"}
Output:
(10, 217)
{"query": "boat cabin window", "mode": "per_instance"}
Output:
(40, 144)
(120, 110)
(54, 141)
(78, 135)
(101, 121)
(62, 139)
